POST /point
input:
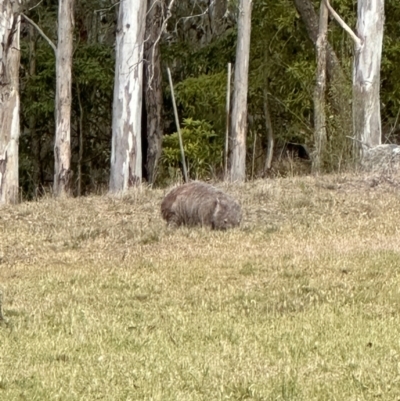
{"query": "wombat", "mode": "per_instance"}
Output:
(197, 203)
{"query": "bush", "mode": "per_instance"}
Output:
(203, 149)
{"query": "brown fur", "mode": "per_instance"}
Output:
(197, 203)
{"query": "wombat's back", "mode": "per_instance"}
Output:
(198, 203)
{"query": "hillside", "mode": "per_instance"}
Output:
(103, 301)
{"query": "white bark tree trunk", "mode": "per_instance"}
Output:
(126, 151)
(366, 72)
(239, 108)
(9, 100)
(319, 91)
(62, 145)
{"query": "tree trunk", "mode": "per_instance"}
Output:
(319, 91)
(36, 145)
(126, 152)
(153, 89)
(339, 86)
(80, 139)
(62, 146)
(366, 73)
(228, 110)
(270, 132)
(216, 12)
(239, 109)
(9, 100)
(307, 12)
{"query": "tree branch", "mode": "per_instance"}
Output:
(335, 15)
(41, 1)
(162, 29)
(106, 9)
(44, 36)
(361, 142)
(194, 16)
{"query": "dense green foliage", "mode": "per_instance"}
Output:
(202, 147)
(282, 65)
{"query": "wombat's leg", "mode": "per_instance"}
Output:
(217, 206)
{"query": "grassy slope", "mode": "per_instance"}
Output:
(301, 303)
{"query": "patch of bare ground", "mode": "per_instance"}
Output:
(101, 300)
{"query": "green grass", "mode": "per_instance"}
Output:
(103, 301)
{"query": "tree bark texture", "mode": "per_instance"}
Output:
(205, 20)
(36, 146)
(9, 100)
(228, 110)
(62, 145)
(239, 106)
(270, 131)
(366, 73)
(126, 152)
(319, 90)
(339, 88)
(307, 12)
(216, 12)
(153, 88)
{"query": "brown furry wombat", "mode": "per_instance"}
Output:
(197, 203)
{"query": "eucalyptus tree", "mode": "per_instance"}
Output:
(32, 119)
(330, 76)
(366, 70)
(9, 99)
(320, 87)
(126, 149)
(152, 88)
(63, 98)
(239, 107)
(62, 144)
(310, 18)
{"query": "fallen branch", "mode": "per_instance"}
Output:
(335, 15)
(44, 36)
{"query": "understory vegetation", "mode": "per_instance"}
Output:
(102, 301)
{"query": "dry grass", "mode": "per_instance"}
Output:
(103, 301)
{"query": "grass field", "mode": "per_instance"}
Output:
(103, 302)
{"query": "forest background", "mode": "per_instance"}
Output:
(197, 46)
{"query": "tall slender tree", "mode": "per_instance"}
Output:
(239, 107)
(62, 145)
(152, 88)
(310, 19)
(269, 129)
(126, 152)
(36, 160)
(366, 70)
(9, 100)
(336, 78)
(319, 91)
